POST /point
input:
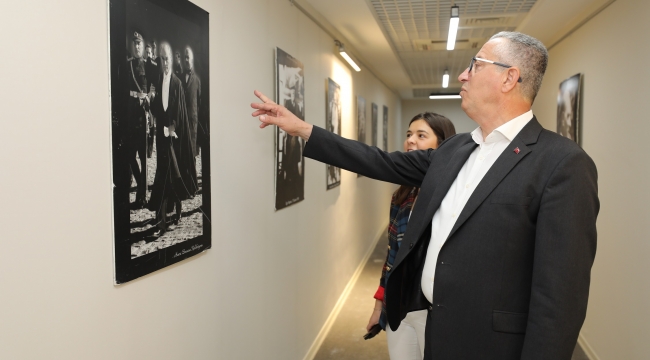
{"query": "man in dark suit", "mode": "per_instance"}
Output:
(137, 75)
(173, 182)
(192, 88)
(501, 241)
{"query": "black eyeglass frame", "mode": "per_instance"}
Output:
(471, 64)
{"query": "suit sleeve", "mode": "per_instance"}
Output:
(397, 167)
(565, 247)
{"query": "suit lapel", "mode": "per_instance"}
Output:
(418, 224)
(449, 175)
(504, 164)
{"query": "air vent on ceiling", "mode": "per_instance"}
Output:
(490, 21)
(440, 45)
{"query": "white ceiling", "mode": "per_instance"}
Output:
(403, 42)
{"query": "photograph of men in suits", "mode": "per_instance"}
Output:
(333, 124)
(290, 164)
(361, 121)
(373, 124)
(501, 241)
(384, 129)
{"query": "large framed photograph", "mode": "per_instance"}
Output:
(160, 112)
(568, 108)
(333, 124)
(373, 124)
(385, 129)
(361, 121)
(289, 161)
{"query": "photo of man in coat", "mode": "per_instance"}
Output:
(501, 241)
(175, 173)
(192, 88)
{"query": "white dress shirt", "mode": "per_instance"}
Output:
(165, 90)
(470, 175)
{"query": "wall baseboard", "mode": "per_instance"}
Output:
(589, 351)
(322, 334)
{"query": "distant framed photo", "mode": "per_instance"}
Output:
(568, 108)
(373, 124)
(333, 124)
(160, 113)
(385, 129)
(361, 121)
(289, 159)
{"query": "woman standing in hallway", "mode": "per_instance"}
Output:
(426, 131)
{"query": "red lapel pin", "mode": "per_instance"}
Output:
(517, 150)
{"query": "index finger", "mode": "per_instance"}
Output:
(263, 97)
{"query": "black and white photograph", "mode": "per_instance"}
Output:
(333, 124)
(384, 129)
(160, 134)
(568, 107)
(361, 121)
(373, 125)
(289, 161)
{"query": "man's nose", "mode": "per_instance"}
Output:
(464, 76)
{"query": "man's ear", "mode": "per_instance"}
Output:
(511, 79)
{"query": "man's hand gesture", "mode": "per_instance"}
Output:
(271, 113)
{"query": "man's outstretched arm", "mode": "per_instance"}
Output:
(324, 146)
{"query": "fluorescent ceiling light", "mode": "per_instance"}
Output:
(346, 56)
(445, 79)
(453, 28)
(440, 97)
(350, 61)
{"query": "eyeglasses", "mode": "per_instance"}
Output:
(471, 65)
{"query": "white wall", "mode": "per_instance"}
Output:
(270, 280)
(449, 108)
(612, 52)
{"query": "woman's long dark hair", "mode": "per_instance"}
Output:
(442, 128)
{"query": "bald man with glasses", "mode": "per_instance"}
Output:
(501, 241)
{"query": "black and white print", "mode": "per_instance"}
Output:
(160, 134)
(361, 121)
(333, 124)
(568, 108)
(373, 125)
(289, 161)
(385, 129)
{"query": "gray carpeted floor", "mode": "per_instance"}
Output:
(345, 339)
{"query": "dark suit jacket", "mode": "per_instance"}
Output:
(192, 88)
(512, 279)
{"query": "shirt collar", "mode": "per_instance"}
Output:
(506, 131)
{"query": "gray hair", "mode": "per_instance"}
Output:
(529, 55)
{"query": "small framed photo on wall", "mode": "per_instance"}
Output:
(568, 108)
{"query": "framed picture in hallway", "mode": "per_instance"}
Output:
(289, 161)
(373, 124)
(361, 121)
(568, 108)
(159, 77)
(333, 124)
(384, 129)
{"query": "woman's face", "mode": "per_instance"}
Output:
(420, 137)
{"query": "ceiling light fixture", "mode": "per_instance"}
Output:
(453, 28)
(346, 56)
(441, 96)
(445, 79)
